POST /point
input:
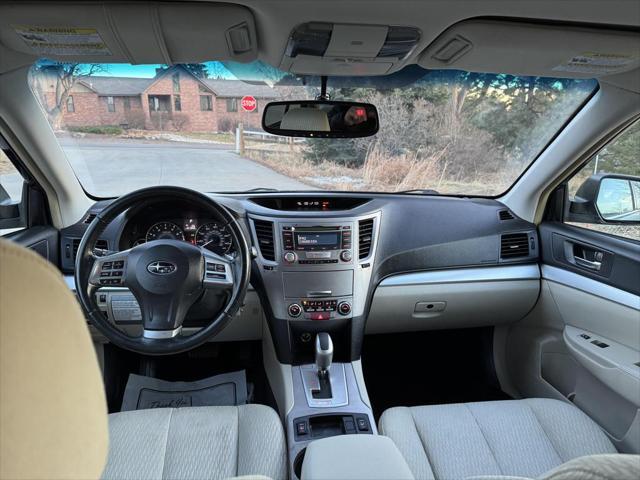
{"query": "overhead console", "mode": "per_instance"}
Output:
(347, 49)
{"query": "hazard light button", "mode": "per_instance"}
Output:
(320, 315)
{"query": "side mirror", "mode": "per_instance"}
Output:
(320, 119)
(607, 198)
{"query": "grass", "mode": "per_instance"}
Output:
(379, 173)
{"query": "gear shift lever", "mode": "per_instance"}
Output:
(324, 353)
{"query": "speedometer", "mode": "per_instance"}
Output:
(215, 237)
(165, 231)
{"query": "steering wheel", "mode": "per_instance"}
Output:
(166, 277)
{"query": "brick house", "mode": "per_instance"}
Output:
(173, 100)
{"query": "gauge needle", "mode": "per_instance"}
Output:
(205, 244)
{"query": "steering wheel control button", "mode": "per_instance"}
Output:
(290, 257)
(344, 308)
(295, 310)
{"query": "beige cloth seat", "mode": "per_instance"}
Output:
(513, 438)
(196, 443)
(53, 413)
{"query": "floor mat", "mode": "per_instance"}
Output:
(146, 392)
(430, 368)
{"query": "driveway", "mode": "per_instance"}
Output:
(113, 167)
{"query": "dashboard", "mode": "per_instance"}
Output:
(342, 263)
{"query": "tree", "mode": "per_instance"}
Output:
(199, 70)
(64, 76)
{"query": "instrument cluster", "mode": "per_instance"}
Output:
(207, 233)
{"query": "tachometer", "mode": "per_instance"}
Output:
(165, 231)
(215, 237)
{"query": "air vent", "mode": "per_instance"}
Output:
(505, 215)
(264, 234)
(514, 245)
(101, 248)
(90, 218)
(365, 237)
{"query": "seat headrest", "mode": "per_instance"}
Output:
(53, 413)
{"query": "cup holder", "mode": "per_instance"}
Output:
(297, 463)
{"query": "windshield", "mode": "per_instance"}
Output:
(124, 127)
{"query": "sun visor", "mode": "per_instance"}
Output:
(129, 32)
(528, 49)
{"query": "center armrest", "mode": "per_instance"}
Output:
(354, 457)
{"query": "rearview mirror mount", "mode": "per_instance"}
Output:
(320, 119)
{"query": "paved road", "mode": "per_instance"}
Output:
(113, 167)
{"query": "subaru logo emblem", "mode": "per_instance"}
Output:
(161, 268)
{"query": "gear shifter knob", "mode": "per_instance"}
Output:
(324, 352)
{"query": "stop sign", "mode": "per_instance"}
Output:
(248, 103)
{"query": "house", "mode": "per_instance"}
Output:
(175, 99)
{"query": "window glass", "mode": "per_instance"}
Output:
(70, 107)
(232, 104)
(175, 79)
(448, 131)
(617, 169)
(205, 103)
(10, 180)
(111, 105)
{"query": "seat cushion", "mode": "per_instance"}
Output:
(513, 437)
(196, 443)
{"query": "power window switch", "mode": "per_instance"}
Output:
(585, 336)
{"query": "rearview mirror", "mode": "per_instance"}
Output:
(320, 118)
(607, 198)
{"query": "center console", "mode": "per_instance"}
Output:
(315, 274)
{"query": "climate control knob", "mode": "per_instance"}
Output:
(295, 310)
(345, 255)
(344, 308)
(290, 257)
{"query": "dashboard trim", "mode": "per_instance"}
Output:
(458, 275)
(585, 284)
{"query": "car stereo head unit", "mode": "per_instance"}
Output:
(317, 238)
(317, 244)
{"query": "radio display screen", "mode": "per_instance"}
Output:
(317, 240)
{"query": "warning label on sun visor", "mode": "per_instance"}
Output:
(597, 63)
(62, 40)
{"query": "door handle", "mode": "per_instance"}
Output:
(591, 265)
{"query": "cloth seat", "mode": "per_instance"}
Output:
(196, 443)
(519, 438)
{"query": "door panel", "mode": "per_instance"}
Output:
(549, 354)
(568, 247)
(41, 239)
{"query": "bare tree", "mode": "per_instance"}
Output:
(65, 76)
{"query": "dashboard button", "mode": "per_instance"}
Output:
(344, 308)
(345, 255)
(290, 257)
(295, 310)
